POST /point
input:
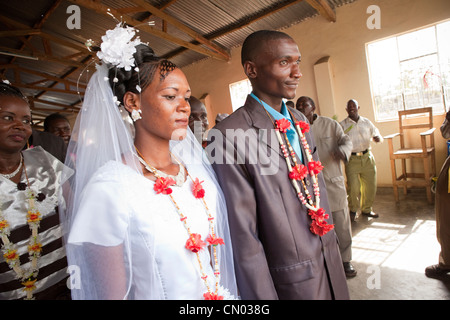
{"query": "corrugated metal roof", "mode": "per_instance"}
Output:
(226, 23)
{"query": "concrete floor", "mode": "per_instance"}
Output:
(391, 252)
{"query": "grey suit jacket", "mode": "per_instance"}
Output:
(329, 136)
(276, 255)
(50, 143)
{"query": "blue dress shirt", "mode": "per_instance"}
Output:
(291, 132)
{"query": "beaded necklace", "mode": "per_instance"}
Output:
(15, 172)
(299, 172)
(194, 242)
(28, 276)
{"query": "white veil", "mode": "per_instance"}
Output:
(102, 133)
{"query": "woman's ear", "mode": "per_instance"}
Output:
(131, 101)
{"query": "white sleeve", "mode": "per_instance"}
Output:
(102, 217)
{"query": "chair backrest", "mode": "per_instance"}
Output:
(404, 117)
(426, 123)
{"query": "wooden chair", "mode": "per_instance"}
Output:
(426, 151)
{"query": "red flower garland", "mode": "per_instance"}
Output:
(299, 172)
(304, 126)
(315, 167)
(197, 189)
(212, 296)
(195, 243)
(319, 225)
(162, 185)
(283, 124)
(214, 241)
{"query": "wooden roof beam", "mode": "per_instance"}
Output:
(18, 33)
(38, 24)
(244, 22)
(51, 103)
(46, 76)
(102, 9)
(40, 56)
(39, 88)
(324, 9)
(179, 25)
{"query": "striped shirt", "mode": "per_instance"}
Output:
(44, 173)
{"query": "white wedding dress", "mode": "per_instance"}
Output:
(118, 202)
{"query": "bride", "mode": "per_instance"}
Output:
(145, 216)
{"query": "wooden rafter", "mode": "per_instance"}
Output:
(179, 25)
(246, 21)
(324, 9)
(102, 9)
(18, 33)
(25, 34)
(40, 88)
(45, 76)
(42, 56)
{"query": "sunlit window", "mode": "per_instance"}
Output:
(410, 71)
(239, 91)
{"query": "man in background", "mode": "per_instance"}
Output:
(333, 146)
(59, 125)
(198, 120)
(361, 170)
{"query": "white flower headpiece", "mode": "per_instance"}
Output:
(117, 47)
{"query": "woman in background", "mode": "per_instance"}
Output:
(33, 260)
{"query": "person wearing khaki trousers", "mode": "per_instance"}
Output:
(361, 170)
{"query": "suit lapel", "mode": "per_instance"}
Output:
(261, 121)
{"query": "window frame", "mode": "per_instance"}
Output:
(398, 100)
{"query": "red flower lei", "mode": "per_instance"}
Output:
(212, 296)
(162, 185)
(197, 189)
(304, 126)
(194, 242)
(315, 167)
(283, 125)
(298, 172)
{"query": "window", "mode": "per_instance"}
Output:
(239, 91)
(410, 71)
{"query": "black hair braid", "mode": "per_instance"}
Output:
(148, 63)
(8, 90)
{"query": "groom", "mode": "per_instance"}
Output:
(276, 255)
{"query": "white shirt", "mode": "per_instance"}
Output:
(360, 132)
